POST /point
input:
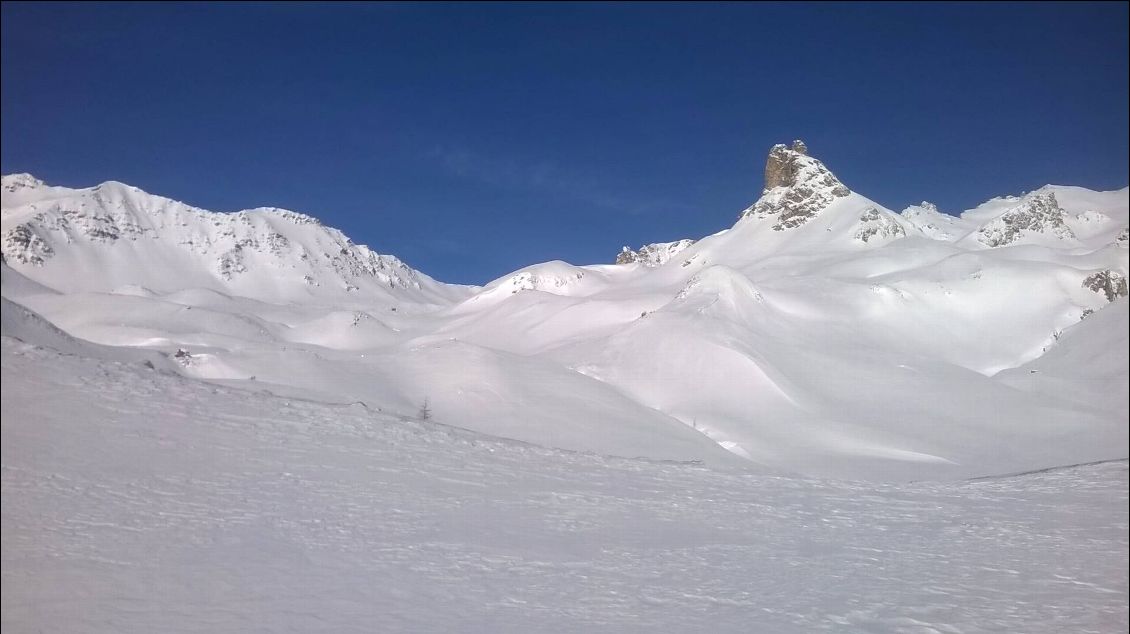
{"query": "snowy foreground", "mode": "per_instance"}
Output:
(137, 500)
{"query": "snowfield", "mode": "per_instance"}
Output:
(137, 500)
(804, 422)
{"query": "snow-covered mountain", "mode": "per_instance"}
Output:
(113, 236)
(822, 334)
(195, 400)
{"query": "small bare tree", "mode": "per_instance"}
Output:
(425, 412)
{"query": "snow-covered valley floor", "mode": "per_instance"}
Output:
(140, 501)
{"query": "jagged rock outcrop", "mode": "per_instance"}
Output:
(797, 187)
(1038, 212)
(651, 255)
(22, 244)
(781, 167)
(14, 183)
(1111, 284)
(875, 225)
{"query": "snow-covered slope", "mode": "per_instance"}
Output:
(139, 501)
(114, 236)
(822, 334)
(927, 220)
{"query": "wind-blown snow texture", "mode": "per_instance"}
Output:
(206, 422)
(144, 502)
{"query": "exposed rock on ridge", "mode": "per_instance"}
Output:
(1038, 212)
(874, 225)
(797, 187)
(14, 183)
(655, 254)
(285, 246)
(1111, 284)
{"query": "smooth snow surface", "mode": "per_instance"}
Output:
(141, 501)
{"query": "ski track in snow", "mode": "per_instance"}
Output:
(138, 501)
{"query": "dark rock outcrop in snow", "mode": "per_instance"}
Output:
(781, 166)
(797, 187)
(14, 183)
(874, 225)
(22, 244)
(655, 254)
(1110, 283)
(1038, 212)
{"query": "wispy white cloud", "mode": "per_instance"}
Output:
(541, 176)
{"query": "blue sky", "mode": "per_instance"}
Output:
(471, 140)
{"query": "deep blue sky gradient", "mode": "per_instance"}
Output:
(472, 139)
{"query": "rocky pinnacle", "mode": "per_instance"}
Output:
(797, 187)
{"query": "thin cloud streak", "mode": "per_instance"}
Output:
(541, 177)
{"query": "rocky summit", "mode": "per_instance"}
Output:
(797, 187)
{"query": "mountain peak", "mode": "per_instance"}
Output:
(13, 183)
(797, 187)
(789, 166)
(76, 238)
(1038, 213)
